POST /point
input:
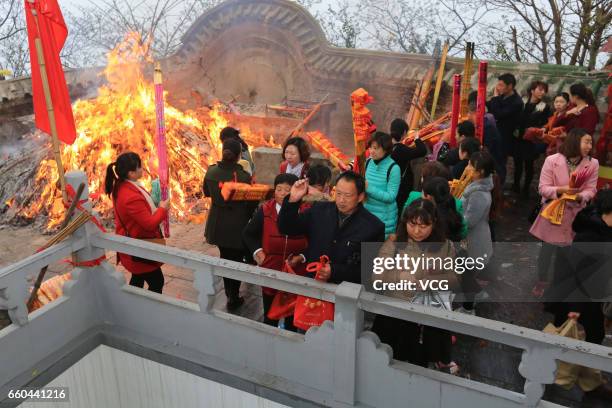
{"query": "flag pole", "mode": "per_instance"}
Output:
(50, 111)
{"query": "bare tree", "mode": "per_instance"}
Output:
(549, 31)
(10, 22)
(457, 20)
(416, 25)
(12, 32)
(342, 24)
(104, 23)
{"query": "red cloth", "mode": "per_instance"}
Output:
(587, 120)
(277, 246)
(604, 144)
(134, 211)
(53, 33)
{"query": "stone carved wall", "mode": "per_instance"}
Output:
(268, 51)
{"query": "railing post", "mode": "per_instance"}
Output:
(12, 299)
(538, 366)
(75, 178)
(348, 324)
(88, 253)
(204, 283)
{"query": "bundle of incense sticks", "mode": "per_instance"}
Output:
(233, 191)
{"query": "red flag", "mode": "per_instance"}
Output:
(52, 31)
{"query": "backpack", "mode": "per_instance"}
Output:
(388, 170)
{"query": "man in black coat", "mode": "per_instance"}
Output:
(403, 155)
(335, 229)
(507, 108)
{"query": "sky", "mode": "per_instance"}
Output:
(72, 5)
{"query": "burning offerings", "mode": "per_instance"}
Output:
(122, 118)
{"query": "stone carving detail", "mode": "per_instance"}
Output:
(12, 299)
(538, 366)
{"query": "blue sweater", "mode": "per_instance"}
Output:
(381, 194)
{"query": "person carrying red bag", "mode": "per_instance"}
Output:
(273, 250)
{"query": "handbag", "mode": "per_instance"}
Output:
(159, 241)
(311, 312)
(569, 374)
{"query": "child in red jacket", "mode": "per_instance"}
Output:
(270, 248)
(136, 216)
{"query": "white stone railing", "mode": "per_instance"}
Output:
(337, 364)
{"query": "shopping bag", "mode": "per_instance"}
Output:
(283, 303)
(311, 312)
(569, 374)
(282, 306)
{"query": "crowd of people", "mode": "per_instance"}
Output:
(407, 208)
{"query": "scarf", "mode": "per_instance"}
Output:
(297, 170)
(145, 193)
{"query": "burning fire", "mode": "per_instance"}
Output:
(122, 118)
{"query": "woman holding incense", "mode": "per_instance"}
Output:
(420, 234)
(568, 181)
(136, 216)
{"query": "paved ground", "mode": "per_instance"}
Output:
(16, 243)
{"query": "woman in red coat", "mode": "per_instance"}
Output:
(136, 216)
(584, 114)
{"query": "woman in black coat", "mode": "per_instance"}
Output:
(585, 282)
(226, 220)
(535, 114)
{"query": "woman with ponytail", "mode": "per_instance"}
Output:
(227, 219)
(136, 216)
(436, 189)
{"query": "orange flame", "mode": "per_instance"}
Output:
(122, 118)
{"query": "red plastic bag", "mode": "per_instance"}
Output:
(282, 306)
(283, 303)
(311, 312)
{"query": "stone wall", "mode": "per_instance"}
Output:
(271, 51)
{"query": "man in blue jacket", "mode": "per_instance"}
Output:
(335, 229)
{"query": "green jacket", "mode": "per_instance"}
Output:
(415, 195)
(226, 220)
(383, 185)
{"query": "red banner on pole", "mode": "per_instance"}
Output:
(45, 22)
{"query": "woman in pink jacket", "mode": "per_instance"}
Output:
(574, 155)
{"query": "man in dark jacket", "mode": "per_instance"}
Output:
(465, 129)
(335, 229)
(507, 107)
(403, 155)
(582, 273)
